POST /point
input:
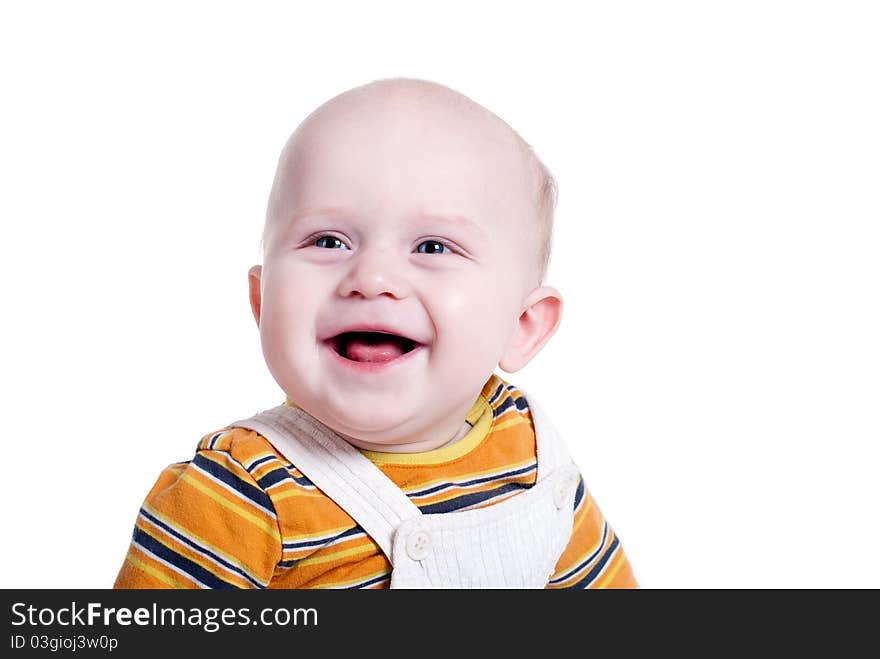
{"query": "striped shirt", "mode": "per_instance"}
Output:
(241, 515)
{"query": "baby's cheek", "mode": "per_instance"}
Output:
(471, 350)
(475, 311)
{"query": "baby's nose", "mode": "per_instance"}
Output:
(373, 273)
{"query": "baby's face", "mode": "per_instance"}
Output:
(400, 252)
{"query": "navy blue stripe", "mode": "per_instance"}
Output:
(273, 477)
(508, 403)
(301, 480)
(150, 544)
(203, 550)
(371, 582)
(579, 493)
(317, 544)
(592, 574)
(245, 489)
(288, 546)
(475, 481)
(497, 393)
(520, 403)
(470, 499)
(256, 463)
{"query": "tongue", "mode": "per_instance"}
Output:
(383, 349)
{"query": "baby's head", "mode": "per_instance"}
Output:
(406, 240)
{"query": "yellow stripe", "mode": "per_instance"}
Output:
(294, 491)
(452, 452)
(271, 529)
(153, 572)
(583, 514)
(510, 422)
(328, 558)
(613, 573)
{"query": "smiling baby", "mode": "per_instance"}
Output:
(405, 245)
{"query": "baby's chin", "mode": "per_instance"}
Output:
(366, 421)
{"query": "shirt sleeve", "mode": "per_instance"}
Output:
(594, 557)
(204, 524)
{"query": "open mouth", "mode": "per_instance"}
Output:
(371, 346)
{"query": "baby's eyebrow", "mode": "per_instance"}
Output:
(455, 219)
(319, 211)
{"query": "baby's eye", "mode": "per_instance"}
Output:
(329, 242)
(432, 247)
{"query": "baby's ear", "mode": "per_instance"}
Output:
(254, 275)
(536, 324)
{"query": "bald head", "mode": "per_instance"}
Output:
(419, 107)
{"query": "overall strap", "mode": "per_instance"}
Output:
(551, 449)
(342, 472)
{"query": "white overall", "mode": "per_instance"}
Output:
(512, 544)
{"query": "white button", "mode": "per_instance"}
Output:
(560, 495)
(418, 544)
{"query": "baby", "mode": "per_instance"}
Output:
(405, 244)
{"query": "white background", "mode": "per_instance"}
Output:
(717, 241)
